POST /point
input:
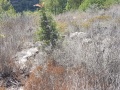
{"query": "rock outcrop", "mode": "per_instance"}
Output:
(29, 56)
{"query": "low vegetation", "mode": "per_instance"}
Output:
(83, 48)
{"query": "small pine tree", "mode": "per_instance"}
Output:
(47, 33)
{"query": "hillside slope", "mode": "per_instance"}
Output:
(87, 56)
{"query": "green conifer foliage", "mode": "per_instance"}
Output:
(5, 6)
(47, 33)
(73, 4)
(100, 3)
(55, 6)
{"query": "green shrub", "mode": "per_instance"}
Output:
(85, 5)
(73, 4)
(107, 3)
(47, 33)
(100, 3)
(55, 6)
(6, 8)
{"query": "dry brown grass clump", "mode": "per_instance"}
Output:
(53, 69)
(61, 26)
(33, 82)
(55, 77)
(2, 88)
(47, 78)
(88, 22)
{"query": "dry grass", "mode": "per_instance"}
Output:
(57, 77)
(90, 21)
(33, 83)
(61, 26)
(2, 88)
(88, 63)
(46, 78)
(53, 69)
(98, 51)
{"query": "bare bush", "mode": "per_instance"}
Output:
(87, 59)
(96, 43)
(16, 31)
